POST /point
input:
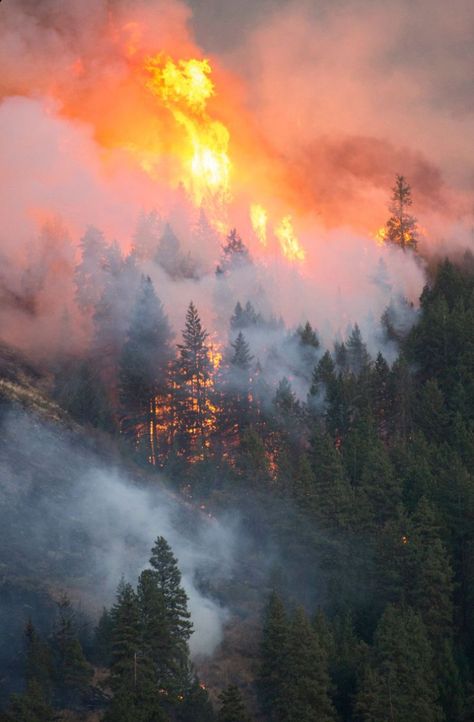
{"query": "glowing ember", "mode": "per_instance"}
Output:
(215, 357)
(381, 236)
(259, 218)
(185, 87)
(290, 245)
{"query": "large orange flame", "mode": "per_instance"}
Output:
(185, 87)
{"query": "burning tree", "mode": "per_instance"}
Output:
(195, 383)
(401, 228)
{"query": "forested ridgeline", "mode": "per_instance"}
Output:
(362, 488)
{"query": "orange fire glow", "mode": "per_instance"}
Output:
(259, 219)
(215, 357)
(185, 87)
(381, 236)
(290, 245)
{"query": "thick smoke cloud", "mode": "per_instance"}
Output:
(353, 92)
(338, 97)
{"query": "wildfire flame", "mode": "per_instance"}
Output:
(381, 236)
(289, 243)
(185, 88)
(215, 357)
(259, 219)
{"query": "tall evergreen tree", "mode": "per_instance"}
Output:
(80, 390)
(333, 496)
(196, 705)
(307, 681)
(111, 317)
(102, 646)
(381, 397)
(169, 642)
(232, 706)
(31, 706)
(399, 683)
(273, 672)
(234, 253)
(90, 273)
(168, 253)
(126, 639)
(146, 237)
(431, 588)
(38, 667)
(358, 358)
(401, 226)
(235, 385)
(143, 371)
(194, 380)
(72, 672)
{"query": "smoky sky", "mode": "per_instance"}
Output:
(398, 72)
(338, 97)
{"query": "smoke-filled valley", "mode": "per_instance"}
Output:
(236, 361)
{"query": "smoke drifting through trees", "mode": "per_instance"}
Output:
(75, 174)
(236, 342)
(88, 519)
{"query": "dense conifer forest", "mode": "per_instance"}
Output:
(236, 361)
(360, 493)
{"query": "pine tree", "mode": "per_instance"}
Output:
(234, 253)
(402, 395)
(147, 236)
(358, 358)
(242, 357)
(232, 706)
(345, 663)
(235, 385)
(31, 706)
(133, 680)
(194, 380)
(252, 462)
(103, 639)
(399, 683)
(168, 254)
(196, 705)
(143, 372)
(274, 662)
(72, 672)
(90, 273)
(431, 414)
(111, 319)
(308, 343)
(286, 405)
(169, 644)
(381, 397)
(333, 497)
(431, 587)
(307, 336)
(307, 681)
(378, 491)
(401, 226)
(155, 640)
(79, 390)
(324, 378)
(126, 639)
(244, 317)
(38, 667)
